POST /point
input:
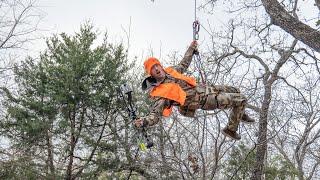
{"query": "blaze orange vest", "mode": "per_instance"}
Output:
(172, 91)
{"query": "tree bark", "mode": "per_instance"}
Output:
(262, 138)
(72, 145)
(50, 163)
(317, 3)
(299, 30)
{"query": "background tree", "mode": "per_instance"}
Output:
(284, 15)
(59, 120)
(19, 22)
(278, 55)
(297, 142)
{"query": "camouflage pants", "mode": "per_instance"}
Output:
(224, 97)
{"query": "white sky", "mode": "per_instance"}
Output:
(163, 24)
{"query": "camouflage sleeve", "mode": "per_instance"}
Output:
(185, 62)
(156, 112)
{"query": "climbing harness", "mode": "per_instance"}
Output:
(125, 94)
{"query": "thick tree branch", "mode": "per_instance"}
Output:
(317, 3)
(291, 25)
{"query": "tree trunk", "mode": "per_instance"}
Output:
(262, 138)
(50, 164)
(299, 30)
(268, 80)
(72, 146)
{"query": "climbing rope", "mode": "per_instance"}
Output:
(196, 29)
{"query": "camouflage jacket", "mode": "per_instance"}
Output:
(192, 95)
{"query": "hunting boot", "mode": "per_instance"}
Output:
(246, 119)
(231, 134)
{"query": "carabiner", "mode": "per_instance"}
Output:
(196, 29)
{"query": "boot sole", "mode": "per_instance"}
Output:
(248, 122)
(226, 134)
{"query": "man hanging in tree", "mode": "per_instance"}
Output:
(168, 87)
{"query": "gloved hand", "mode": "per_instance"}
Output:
(139, 123)
(194, 45)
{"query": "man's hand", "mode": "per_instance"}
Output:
(138, 123)
(194, 45)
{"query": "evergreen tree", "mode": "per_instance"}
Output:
(241, 162)
(61, 113)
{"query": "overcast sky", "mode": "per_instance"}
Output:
(163, 24)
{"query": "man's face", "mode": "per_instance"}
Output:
(157, 72)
